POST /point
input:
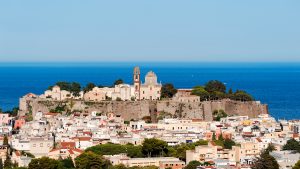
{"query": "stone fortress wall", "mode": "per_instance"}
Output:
(139, 109)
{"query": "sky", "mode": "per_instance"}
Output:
(150, 30)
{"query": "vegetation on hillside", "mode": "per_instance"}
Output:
(216, 90)
(168, 90)
(293, 145)
(73, 87)
(265, 161)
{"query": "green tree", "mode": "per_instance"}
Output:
(8, 163)
(154, 147)
(120, 166)
(112, 149)
(118, 81)
(1, 163)
(240, 95)
(215, 86)
(168, 90)
(228, 143)
(44, 163)
(75, 89)
(89, 87)
(67, 163)
(218, 114)
(297, 165)
(270, 147)
(292, 144)
(214, 136)
(230, 91)
(192, 165)
(5, 140)
(265, 161)
(221, 137)
(201, 92)
(90, 160)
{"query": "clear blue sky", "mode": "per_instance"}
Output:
(152, 30)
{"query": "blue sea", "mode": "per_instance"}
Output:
(275, 84)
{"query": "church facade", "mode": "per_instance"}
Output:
(150, 90)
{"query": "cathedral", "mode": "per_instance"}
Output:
(150, 90)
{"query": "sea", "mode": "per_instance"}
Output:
(275, 84)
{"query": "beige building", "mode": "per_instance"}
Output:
(123, 91)
(185, 95)
(40, 147)
(64, 153)
(212, 152)
(97, 94)
(57, 94)
(150, 90)
(160, 162)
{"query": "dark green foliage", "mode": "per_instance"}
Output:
(215, 86)
(214, 137)
(270, 147)
(44, 163)
(12, 112)
(216, 90)
(168, 90)
(5, 140)
(118, 99)
(8, 163)
(1, 163)
(265, 161)
(218, 114)
(240, 95)
(163, 115)
(112, 149)
(90, 160)
(193, 165)
(153, 147)
(67, 163)
(89, 87)
(179, 151)
(27, 154)
(118, 81)
(200, 91)
(59, 109)
(228, 143)
(297, 165)
(72, 87)
(292, 144)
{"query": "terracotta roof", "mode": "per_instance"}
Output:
(68, 144)
(18, 153)
(82, 138)
(51, 114)
(258, 139)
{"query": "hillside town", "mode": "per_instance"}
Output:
(226, 142)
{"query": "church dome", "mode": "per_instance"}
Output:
(151, 78)
(151, 74)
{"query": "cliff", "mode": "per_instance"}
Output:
(139, 109)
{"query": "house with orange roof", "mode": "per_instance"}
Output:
(64, 152)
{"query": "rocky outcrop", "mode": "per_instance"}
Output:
(139, 109)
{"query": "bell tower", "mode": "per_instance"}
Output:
(137, 82)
